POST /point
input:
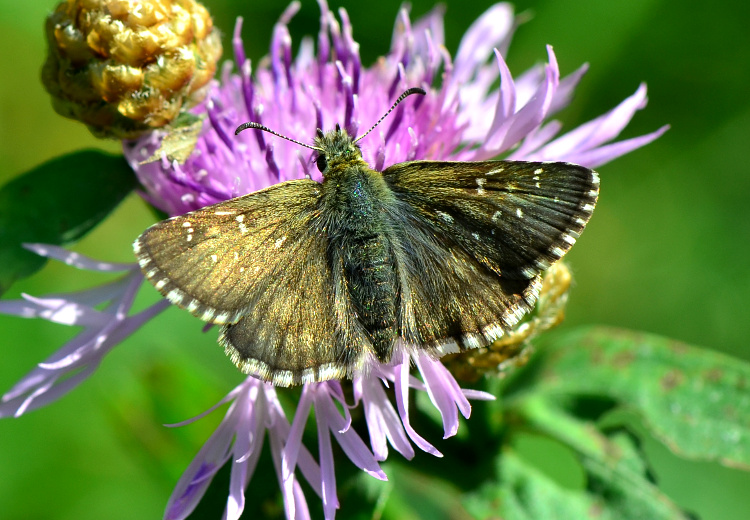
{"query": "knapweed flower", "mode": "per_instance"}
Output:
(475, 109)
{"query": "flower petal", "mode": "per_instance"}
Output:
(402, 401)
(489, 31)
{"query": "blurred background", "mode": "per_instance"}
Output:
(666, 251)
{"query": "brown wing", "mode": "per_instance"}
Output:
(473, 238)
(257, 264)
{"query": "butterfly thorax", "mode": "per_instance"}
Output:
(355, 200)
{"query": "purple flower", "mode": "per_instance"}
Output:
(467, 117)
(255, 409)
(102, 329)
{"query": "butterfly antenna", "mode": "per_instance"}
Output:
(245, 126)
(413, 90)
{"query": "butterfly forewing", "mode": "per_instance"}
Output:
(258, 265)
(209, 260)
(515, 218)
(474, 238)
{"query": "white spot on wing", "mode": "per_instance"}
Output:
(493, 332)
(480, 185)
(449, 347)
(519, 213)
(214, 258)
(496, 216)
(473, 340)
(444, 216)
(279, 242)
(175, 296)
(186, 224)
(223, 212)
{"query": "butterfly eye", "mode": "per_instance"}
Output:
(321, 163)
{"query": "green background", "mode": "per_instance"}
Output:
(665, 252)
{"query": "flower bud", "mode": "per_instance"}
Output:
(124, 67)
(514, 349)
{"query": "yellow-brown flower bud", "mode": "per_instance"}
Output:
(513, 349)
(127, 66)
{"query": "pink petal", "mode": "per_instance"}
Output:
(476, 46)
(402, 401)
(604, 154)
(76, 259)
(327, 473)
(596, 131)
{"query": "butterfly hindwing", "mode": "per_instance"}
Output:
(257, 265)
(474, 238)
(449, 300)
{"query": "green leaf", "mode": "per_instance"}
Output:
(525, 493)
(57, 203)
(618, 477)
(696, 401)
(414, 495)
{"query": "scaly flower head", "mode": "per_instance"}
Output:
(124, 67)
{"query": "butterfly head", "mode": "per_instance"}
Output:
(336, 150)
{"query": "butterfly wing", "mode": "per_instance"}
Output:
(473, 239)
(257, 265)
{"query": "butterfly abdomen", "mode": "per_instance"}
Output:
(359, 237)
(372, 282)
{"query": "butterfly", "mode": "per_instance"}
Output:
(312, 281)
